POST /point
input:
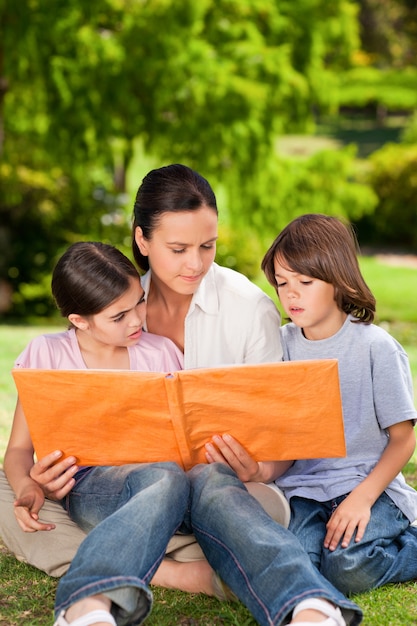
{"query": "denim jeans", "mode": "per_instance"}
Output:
(387, 553)
(262, 562)
(130, 513)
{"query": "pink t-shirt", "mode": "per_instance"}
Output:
(152, 353)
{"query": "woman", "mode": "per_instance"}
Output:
(215, 315)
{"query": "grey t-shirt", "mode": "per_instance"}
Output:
(377, 392)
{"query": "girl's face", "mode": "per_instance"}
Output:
(309, 303)
(182, 248)
(120, 323)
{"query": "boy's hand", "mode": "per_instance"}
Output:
(353, 514)
(55, 478)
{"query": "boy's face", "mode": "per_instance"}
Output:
(309, 303)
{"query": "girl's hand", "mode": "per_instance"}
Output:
(225, 449)
(56, 478)
(352, 514)
(27, 507)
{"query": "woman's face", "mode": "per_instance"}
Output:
(182, 248)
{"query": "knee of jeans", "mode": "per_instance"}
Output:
(173, 476)
(209, 484)
(212, 474)
(167, 477)
(350, 571)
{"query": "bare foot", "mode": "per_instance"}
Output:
(192, 576)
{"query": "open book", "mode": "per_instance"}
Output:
(277, 411)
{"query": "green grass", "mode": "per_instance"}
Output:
(394, 288)
(27, 595)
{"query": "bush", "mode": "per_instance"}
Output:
(393, 177)
(409, 134)
(240, 249)
(258, 208)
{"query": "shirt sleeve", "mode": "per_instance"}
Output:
(35, 355)
(264, 340)
(392, 384)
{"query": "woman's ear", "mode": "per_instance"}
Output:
(78, 321)
(141, 242)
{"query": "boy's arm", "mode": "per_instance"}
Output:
(225, 449)
(355, 511)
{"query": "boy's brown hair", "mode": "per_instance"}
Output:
(325, 248)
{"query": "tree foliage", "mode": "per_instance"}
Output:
(209, 83)
(392, 176)
(389, 32)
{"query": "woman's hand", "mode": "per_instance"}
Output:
(55, 478)
(225, 449)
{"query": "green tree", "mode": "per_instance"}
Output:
(388, 31)
(392, 176)
(209, 83)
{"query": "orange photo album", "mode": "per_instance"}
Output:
(277, 411)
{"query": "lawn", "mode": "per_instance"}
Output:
(27, 596)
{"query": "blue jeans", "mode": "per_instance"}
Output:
(262, 562)
(387, 553)
(130, 513)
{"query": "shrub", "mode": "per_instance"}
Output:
(393, 177)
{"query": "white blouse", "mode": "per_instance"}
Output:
(230, 321)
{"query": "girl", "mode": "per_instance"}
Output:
(352, 515)
(98, 289)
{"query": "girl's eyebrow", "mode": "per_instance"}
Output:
(141, 299)
(118, 314)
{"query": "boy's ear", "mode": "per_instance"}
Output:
(141, 242)
(78, 321)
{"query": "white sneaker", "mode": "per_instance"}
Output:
(334, 614)
(93, 617)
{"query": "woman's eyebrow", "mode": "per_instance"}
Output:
(181, 243)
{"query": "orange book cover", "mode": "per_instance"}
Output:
(277, 411)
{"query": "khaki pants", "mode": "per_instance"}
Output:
(52, 551)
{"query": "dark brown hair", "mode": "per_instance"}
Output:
(168, 189)
(90, 276)
(325, 248)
